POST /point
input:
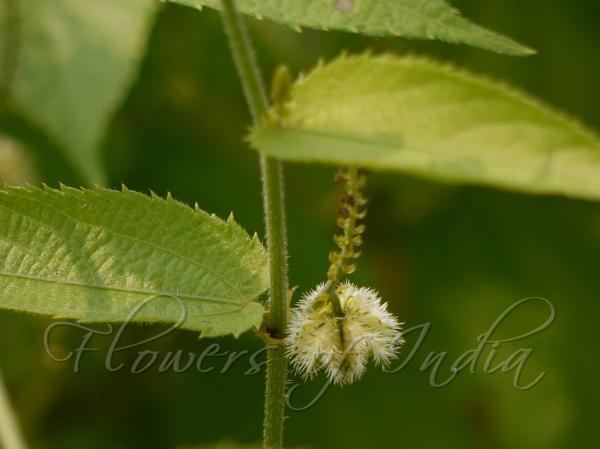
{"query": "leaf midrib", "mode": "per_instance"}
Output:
(121, 289)
(123, 236)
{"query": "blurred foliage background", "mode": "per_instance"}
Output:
(455, 257)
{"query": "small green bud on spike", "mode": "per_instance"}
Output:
(281, 87)
(349, 215)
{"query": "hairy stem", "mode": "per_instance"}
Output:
(273, 199)
(10, 435)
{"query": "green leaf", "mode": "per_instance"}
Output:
(103, 255)
(422, 19)
(419, 117)
(74, 62)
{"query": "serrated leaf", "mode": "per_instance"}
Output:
(74, 62)
(420, 117)
(421, 19)
(102, 255)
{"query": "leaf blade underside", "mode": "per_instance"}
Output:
(419, 19)
(428, 119)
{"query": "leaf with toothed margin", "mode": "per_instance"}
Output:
(74, 61)
(416, 116)
(420, 19)
(112, 256)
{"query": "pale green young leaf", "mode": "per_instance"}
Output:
(420, 117)
(110, 256)
(74, 62)
(422, 19)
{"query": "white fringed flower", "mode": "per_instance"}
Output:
(342, 346)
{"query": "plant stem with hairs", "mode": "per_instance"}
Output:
(273, 199)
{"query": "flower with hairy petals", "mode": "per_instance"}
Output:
(341, 344)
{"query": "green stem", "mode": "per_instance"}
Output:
(10, 436)
(273, 199)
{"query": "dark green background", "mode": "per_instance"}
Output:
(455, 257)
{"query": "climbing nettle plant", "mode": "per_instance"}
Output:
(103, 255)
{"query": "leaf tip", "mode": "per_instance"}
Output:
(528, 51)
